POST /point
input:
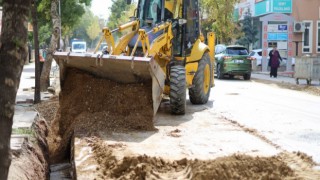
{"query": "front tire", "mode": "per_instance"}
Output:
(200, 92)
(178, 89)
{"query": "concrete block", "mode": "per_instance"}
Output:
(17, 141)
(23, 117)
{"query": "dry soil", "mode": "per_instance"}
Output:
(88, 104)
(144, 167)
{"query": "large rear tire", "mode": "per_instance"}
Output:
(201, 84)
(178, 89)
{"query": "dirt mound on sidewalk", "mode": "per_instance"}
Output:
(145, 167)
(89, 104)
(48, 109)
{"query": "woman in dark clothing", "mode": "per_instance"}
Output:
(274, 62)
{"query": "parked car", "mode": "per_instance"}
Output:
(232, 60)
(257, 54)
(79, 46)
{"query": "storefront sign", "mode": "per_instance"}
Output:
(277, 36)
(272, 36)
(282, 27)
(277, 28)
(283, 38)
(262, 7)
(273, 6)
(283, 45)
(282, 6)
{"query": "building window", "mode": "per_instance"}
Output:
(318, 37)
(307, 38)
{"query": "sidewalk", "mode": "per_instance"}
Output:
(25, 114)
(287, 77)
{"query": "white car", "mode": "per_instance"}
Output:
(257, 53)
(79, 46)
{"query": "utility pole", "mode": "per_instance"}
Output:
(37, 95)
(59, 42)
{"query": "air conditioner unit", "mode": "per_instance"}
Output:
(299, 27)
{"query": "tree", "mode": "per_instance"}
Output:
(250, 31)
(93, 30)
(80, 30)
(45, 74)
(221, 13)
(37, 95)
(71, 12)
(13, 53)
(117, 15)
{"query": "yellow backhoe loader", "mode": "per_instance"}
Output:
(162, 44)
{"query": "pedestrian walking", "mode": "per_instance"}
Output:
(274, 61)
(29, 51)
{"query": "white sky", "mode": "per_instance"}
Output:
(101, 8)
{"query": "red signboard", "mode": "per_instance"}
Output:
(265, 36)
(265, 45)
(265, 28)
(265, 53)
(290, 28)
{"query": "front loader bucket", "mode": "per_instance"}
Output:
(121, 69)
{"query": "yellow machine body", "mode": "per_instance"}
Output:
(121, 64)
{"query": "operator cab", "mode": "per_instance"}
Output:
(149, 11)
(153, 12)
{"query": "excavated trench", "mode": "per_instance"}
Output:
(88, 104)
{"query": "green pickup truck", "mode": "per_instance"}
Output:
(232, 60)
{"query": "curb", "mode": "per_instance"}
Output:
(289, 74)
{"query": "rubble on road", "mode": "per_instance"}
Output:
(237, 166)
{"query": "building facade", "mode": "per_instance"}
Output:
(297, 38)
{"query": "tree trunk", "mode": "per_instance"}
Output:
(13, 52)
(45, 75)
(37, 95)
(66, 43)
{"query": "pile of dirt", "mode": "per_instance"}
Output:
(48, 109)
(303, 156)
(89, 104)
(145, 167)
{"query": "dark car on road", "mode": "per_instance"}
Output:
(232, 60)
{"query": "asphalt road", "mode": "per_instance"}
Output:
(288, 119)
